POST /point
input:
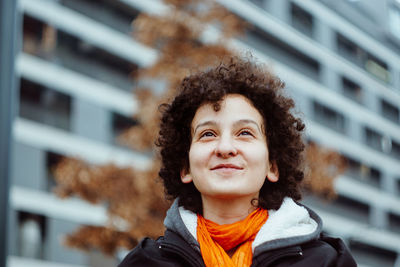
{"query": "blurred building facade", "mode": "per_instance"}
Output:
(339, 59)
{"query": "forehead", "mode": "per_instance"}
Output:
(233, 107)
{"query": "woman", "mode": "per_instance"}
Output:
(231, 159)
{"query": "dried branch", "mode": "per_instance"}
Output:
(323, 167)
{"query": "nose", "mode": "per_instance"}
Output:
(225, 147)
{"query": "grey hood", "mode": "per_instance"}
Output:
(292, 224)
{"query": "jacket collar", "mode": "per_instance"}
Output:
(290, 225)
(182, 222)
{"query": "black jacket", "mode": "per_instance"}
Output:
(281, 242)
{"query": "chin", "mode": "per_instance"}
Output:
(229, 195)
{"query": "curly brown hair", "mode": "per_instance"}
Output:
(265, 91)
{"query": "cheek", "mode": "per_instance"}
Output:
(258, 155)
(198, 156)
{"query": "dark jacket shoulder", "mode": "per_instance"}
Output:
(146, 254)
(151, 252)
(322, 252)
(343, 257)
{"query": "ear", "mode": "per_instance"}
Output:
(273, 172)
(186, 177)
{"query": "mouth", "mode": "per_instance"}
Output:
(226, 166)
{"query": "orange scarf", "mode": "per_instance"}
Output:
(215, 239)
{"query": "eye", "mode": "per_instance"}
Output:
(207, 134)
(245, 132)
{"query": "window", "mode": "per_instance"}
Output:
(120, 124)
(301, 20)
(398, 185)
(390, 111)
(67, 50)
(283, 52)
(374, 139)
(31, 235)
(43, 105)
(346, 207)
(394, 222)
(395, 151)
(362, 172)
(374, 174)
(350, 50)
(366, 253)
(377, 141)
(94, 62)
(350, 208)
(32, 28)
(39, 38)
(352, 90)
(329, 117)
(115, 14)
(394, 21)
(52, 159)
(377, 68)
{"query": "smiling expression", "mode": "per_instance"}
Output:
(228, 156)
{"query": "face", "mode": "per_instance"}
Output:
(228, 155)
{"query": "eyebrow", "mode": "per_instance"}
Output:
(245, 121)
(213, 123)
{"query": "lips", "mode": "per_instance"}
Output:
(226, 166)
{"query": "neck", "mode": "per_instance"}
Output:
(227, 211)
